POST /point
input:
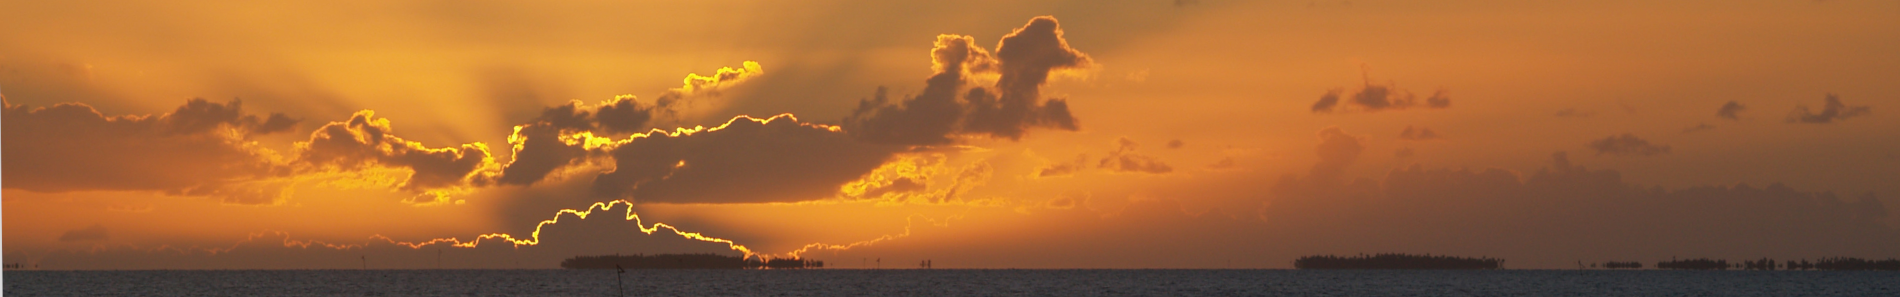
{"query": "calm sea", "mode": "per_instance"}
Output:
(950, 282)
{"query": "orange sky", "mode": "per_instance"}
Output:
(1079, 134)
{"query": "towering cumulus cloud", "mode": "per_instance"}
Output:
(195, 148)
(949, 107)
(1336, 151)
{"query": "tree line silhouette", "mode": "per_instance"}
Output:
(685, 261)
(1395, 261)
(1830, 263)
(1693, 264)
(1840, 263)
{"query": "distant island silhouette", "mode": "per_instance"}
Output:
(1831, 263)
(1845, 263)
(684, 261)
(1396, 261)
(1693, 264)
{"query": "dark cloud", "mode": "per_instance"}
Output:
(1627, 145)
(1175, 144)
(539, 148)
(365, 141)
(626, 114)
(72, 147)
(573, 116)
(1064, 168)
(900, 185)
(1327, 101)
(622, 115)
(1374, 98)
(1336, 151)
(538, 151)
(1404, 152)
(1420, 133)
(89, 233)
(746, 160)
(1574, 113)
(1834, 110)
(1124, 159)
(1731, 110)
(1439, 99)
(948, 108)
(538, 145)
(199, 116)
(1698, 128)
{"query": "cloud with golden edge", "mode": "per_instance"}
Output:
(364, 142)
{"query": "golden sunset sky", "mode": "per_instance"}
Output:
(976, 134)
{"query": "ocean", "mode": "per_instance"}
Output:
(951, 282)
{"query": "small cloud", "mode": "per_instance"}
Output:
(1224, 163)
(1185, 3)
(1834, 110)
(1699, 128)
(1574, 113)
(1404, 152)
(1420, 133)
(1175, 144)
(1121, 160)
(1373, 98)
(1627, 145)
(1063, 169)
(1732, 111)
(91, 233)
(1124, 159)
(1061, 202)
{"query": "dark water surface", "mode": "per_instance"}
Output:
(951, 282)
